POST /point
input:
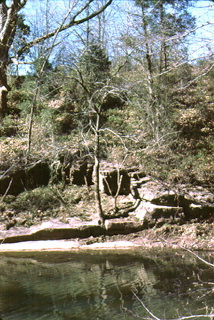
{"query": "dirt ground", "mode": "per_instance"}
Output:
(198, 236)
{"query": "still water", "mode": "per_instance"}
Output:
(104, 285)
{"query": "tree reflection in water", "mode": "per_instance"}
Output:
(105, 285)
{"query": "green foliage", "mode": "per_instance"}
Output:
(94, 67)
(165, 121)
(41, 66)
(64, 123)
(42, 198)
(94, 62)
(18, 96)
(23, 92)
(8, 127)
(117, 120)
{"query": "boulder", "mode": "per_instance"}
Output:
(155, 214)
(126, 226)
(197, 202)
(51, 230)
(158, 194)
(160, 201)
(197, 194)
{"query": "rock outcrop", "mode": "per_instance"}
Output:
(160, 203)
(116, 182)
(157, 202)
(153, 203)
(19, 178)
(72, 169)
(68, 168)
(75, 228)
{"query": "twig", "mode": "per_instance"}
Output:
(145, 307)
(182, 318)
(7, 190)
(190, 251)
(197, 256)
(196, 316)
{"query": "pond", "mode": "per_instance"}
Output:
(104, 285)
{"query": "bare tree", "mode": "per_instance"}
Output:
(8, 25)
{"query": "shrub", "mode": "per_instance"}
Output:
(42, 198)
(8, 127)
(64, 123)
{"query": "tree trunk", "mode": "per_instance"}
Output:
(148, 55)
(4, 88)
(3, 101)
(97, 171)
(8, 22)
(163, 50)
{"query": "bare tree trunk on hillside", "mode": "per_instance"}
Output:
(148, 54)
(3, 94)
(8, 21)
(163, 51)
(97, 168)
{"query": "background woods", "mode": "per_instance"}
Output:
(106, 134)
(119, 83)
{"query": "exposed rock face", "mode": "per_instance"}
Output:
(156, 202)
(81, 173)
(72, 169)
(68, 168)
(160, 203)
(116, 181)
(56, 230)
(24, 178)
(127, 226)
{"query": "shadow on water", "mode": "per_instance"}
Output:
(100, 285)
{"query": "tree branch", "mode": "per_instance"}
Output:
(22, 3)
(197, 316)
(145, 307)
(72, 23)
(197, 256)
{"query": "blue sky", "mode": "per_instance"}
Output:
(202, 42)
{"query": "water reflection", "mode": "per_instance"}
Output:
(101, 285)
